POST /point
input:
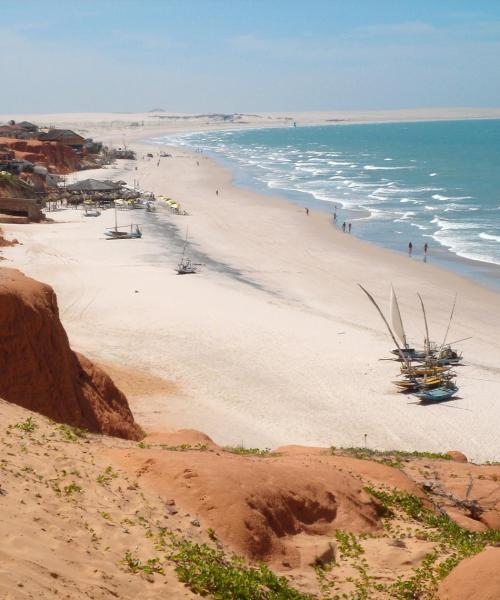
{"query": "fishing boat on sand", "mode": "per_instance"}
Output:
(439, 394)
(186, 265)
(91, 211)
(123, 232)
(431, 379)
(114, 233)
(425, 369)
(410, 383)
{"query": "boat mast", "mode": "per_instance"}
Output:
(185, 244)
(449, 322)
(401, 353)
(427, 344)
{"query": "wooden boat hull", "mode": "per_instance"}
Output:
(410, 384)
(426, 370)
(127, 236)
(439, 394)
(409, 353)
(115, 234)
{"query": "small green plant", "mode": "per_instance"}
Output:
(211, 534)
(248, 451)
(72, 488)
(107, 475)
(134, 565)
(29, 425)
(106, 515)
(348, 544)
(72, 434)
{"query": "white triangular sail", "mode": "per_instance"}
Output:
(396, 321)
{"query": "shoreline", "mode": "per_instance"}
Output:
(483, 272)
(272, 342)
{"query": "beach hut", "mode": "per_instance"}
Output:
(93, 185)
(27, 126)
(64, 136)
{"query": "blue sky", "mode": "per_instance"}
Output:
(248, 55)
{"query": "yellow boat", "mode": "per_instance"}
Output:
(414, 383)
(423, 370)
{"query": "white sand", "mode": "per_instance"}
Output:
(272, 342)
(189, 121)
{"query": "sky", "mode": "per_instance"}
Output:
(247, 55)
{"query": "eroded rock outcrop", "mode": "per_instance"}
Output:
(39, 371)
(57, 157)
(475, 578)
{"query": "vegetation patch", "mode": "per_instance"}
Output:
(179, 448)
(392, 458)
(134, 565)
(72, 488)
(249, 451)
(454, 543)
(348, 544)
(208, 571)
(107, 475)
(72, 434)
(28, 425)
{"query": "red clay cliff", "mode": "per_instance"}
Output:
(39, 371)
(57, 157)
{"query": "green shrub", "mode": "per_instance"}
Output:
(207, 571)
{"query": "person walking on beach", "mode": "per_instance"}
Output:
(216, 192)
(307, 211)
(343, 226)
(410, 249)
(350, 225)
(334, 217)
(426, 250)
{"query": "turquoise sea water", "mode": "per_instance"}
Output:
(436, 182)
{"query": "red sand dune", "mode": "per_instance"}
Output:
(264, 508)
(476, 578)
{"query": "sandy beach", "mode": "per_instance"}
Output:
(272, 342)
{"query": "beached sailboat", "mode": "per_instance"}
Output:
(91, 211)
(439, 394)
(421, 379)
(123, 232)
(411, 383)
(127, 234)
(421, 370)
(186, 266)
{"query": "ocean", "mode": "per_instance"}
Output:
(432, 182)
